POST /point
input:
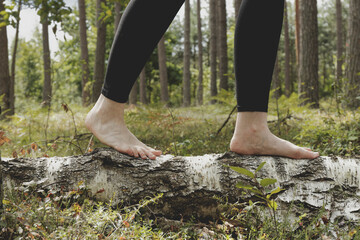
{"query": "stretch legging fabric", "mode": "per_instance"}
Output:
(144, 22)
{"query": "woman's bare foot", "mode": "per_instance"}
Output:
(252, 136)
(106, 121)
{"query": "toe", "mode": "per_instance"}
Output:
(303, 153)
(155, 152)
(136, 152)
(142, 153)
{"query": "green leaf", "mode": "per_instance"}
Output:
(272, 204)
(257, 191)
(260, 166)
(267, 181)
(275, 191)
(241, 185)
(243, 171)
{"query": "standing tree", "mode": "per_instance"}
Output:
(143, 98)
(117, 15)
(4, 63)
(353, 56)
(297, 30)
(187, 56)
(50, 11)
(200, 90)
(287, 52)
(47, 90)
(237, 4)
(213, 49)
(309, 60)
(223, 57)
(13, 60)
(99, 68)
(276, 82)
(84, 54)
(164, 91)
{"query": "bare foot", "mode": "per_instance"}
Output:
(252, 136)
(106, 121)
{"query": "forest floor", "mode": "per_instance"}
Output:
(60, 131)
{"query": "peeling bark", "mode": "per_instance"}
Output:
(189, 184)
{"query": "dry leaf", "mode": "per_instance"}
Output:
(14, 154)
(65, 107)
(34, 146)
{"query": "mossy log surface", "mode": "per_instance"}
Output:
(189, 184)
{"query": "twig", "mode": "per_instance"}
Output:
(226, 121)
(88, 146)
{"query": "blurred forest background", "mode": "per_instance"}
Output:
(318, 62)
(182, 103)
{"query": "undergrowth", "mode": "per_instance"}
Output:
(59, 131)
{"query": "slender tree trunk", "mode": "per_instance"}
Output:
(84, 54)
(223, 57)
(237, 4)
(4, 67)
(13, 61)
(200, 90)
(309, 59)
(164, 91)
(99, 69)
(47, 90)
(287, 53)
(276, 82)
(187, 56)
(297, 29)
(117, 15)
(213, 49)
(353, 56)
(134, 93)
(143, 98)
(339, 45)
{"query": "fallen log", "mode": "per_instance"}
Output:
(189, 184)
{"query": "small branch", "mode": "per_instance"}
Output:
(226, 121)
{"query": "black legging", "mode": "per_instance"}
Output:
(144, 22)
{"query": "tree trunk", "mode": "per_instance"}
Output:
(187, 56)
(200, 90)
(353, 56)
(117, 15)
(134, 93)
(339, 47)
(47, 90)
(297, 30)
(237, 4)
(84, 54)
(4, 67)
(13, 62)
(213, 49)
(189, 184)
(287, 52)
(309, 59)
(223, 57)
(164, 88)
(99, 69)
(143, 98)
(276, 82)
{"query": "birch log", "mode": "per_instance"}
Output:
(189, 184)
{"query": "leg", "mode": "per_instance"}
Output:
(141, 27)
(256, 43)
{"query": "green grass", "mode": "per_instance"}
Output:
(37, 132)
(181, 131)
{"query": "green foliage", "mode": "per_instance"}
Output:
(248, 219)
(51, 214)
